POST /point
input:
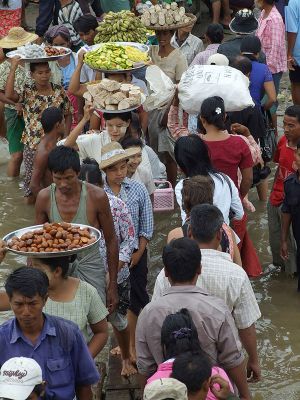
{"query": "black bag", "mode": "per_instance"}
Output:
(268, 143)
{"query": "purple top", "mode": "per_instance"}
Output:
(202, 57)
(61, 352)
(259, 75)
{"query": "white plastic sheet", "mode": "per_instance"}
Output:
(161, 88)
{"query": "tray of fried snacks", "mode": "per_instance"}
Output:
(34, 53)
(52, 239)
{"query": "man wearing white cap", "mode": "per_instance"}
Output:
(165, 388)
(21, 379)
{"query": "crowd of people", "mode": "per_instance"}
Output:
(194, 337)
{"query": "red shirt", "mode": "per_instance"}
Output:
(285, 158)
(229, 155)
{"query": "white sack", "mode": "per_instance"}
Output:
(161, 88)
(202, 81)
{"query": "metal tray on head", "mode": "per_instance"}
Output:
(14, 53)
(138, 65)
(19, 232)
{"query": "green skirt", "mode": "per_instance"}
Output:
(14, 126)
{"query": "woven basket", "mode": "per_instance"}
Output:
(192, 20)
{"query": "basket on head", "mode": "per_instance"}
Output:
(174, 27)
(163, 198)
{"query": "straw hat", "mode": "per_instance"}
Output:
(113, 153)
(17, 37)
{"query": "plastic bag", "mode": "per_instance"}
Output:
(161, 89)
(4, 153)
(202, 81)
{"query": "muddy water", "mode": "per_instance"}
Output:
(278, 329)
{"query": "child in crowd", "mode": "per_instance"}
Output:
(285, 157)
(69, 13)
(193, 370)
(36, 97)
(86, 26)
(214, 36)
(53, 124)
(142, 175)
(179, 335)
(135, 196)
(124, 229)
(59, 35)
(290, 212)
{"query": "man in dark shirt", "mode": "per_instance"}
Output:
(56, 344)
(243, 24)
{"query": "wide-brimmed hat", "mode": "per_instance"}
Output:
(17, 37)
(244, 22)
(18, 377)
(113, 153)
(165, 388)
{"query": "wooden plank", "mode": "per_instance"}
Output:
(117, 382)
(114, 379)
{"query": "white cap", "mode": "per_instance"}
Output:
(165, 388)
(18, 377)
(218, 59)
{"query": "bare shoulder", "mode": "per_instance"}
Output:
(95, 192)
(174, 234)
(43, 196)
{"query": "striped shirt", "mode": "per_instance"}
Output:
(222, 278)
(189, 48)
(203, 56)
(67, 16)
(271, 32)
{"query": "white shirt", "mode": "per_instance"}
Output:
(222, 278)
(190, 48)
(222, 198)
(90, 145)
(157, 167)
(144, 176)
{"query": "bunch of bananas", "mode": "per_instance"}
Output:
(111, 56)
(123, 26)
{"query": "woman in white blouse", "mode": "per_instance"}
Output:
(192, 157)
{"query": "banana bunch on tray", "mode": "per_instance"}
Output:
(123, 26)
(164, 15)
